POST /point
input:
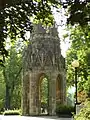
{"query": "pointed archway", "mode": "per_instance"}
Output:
(43, 90)
(43, 59)
(59, 90)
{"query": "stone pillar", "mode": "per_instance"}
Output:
(52, 94)
(64, 89)
(53, 83)
(25, 94)
(33, 108)
(49, 96)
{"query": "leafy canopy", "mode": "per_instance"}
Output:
(16, 18)
(78, 11)
(79, 50)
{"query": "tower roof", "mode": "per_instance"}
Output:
(44, 50)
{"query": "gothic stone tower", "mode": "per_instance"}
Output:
(43, 59)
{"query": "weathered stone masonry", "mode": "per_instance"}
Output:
(43, 58)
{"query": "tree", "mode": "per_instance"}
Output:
(16, 18)
(3, 3)
(12, 78)
(79, 12)
(79, 50)
(2, 90)
(44, 91)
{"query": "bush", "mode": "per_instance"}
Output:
(12, 112)
(84, 113)
(64, 110)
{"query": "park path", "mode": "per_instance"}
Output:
(32, 118)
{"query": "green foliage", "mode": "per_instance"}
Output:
(12, 79)
(16, 97)
(79, 50)
(16, 16)
(12, 112)
(16, 19)
(15, 2)
(44, 91)
(78, 11)
(84, 112)
(2, 90)
(64, 109)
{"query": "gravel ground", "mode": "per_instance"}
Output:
(32, 118)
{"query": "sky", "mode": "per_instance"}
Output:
(60, 19)
(65, 44)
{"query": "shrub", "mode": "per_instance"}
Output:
(12, 112)
(64, 110)
(84, 113)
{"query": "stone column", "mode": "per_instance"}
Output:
(49, 95)
(25, 94)
(63, 89)
(33, 109)
(53, 83)
(52, 93)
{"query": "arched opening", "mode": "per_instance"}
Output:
(43, 95)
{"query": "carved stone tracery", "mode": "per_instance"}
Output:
(43, 56)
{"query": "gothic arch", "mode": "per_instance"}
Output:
(43, 59)
(59, 85)
(42, 81)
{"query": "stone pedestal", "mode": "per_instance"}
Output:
(78, 108)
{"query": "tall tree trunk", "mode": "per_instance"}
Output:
(7, 93)
(7, 97)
